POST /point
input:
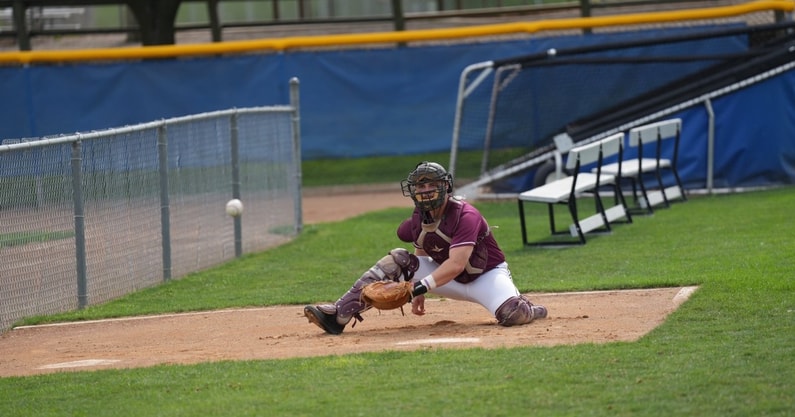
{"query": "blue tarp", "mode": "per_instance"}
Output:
(754, 137)
(384, 101)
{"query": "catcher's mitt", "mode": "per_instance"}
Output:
(387, 295)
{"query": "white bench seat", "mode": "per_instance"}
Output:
(569, 189)
(560, 190)
(634, 169)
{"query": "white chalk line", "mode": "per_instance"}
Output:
(149, 317)
(595, 292)
(683, 295)
(80, 363)
(439, 340)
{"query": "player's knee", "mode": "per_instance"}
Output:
(514, 311)
(398, 262)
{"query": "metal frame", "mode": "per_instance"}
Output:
(472, 189)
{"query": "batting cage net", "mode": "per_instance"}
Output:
(91, 217)
(509, 111)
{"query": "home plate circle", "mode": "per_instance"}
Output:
(440, 340)
(78, 364)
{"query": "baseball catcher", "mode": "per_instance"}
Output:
(398, 265)
(455, 256)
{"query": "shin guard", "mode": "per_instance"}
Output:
(399, 263)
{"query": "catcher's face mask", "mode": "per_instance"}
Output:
(428, 185)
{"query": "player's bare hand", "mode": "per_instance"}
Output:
(418, 305)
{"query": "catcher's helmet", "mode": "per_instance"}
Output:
(428, 172)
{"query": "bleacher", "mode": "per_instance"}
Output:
(45, 18)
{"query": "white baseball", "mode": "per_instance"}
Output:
(552, 52)
(234, 207)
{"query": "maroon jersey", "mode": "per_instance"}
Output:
(461, 225)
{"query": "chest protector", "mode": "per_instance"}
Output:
(434, 239)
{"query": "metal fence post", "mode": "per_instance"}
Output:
(215, 21)
(80, 225)
(585, 11)
(165, 214)
(397, 15)
(295, 103)
(20, 25)
(710, 145)
(237, 220)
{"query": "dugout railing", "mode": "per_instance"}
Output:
(90, 217)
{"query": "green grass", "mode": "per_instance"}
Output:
(728, 351)
(393, 169)
(23, 238)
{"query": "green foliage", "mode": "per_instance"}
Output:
(726, 352)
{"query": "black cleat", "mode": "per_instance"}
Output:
(325, 321)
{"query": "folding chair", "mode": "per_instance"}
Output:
(635, 169)
(566, 191)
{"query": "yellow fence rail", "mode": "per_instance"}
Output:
(299, 42)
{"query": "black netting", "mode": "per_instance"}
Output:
(589, 90)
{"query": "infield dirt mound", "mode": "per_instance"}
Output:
(283, 331)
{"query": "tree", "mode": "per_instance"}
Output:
(156, 20)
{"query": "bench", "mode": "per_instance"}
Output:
(44, 18)
(567, 191)
(635, 170)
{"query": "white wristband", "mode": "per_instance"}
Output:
(429, 282)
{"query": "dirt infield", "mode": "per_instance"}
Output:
(283, 331)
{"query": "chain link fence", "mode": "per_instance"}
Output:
(87, 218)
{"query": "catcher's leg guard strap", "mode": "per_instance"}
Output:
(351, 304)
(515, 311)
(331, 310)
